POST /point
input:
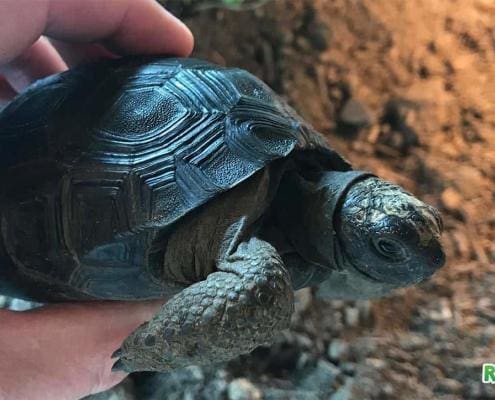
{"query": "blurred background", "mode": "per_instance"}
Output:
(405, 89)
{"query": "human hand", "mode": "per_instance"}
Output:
(63, 351)
(80, 30)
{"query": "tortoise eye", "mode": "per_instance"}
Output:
(390, 249)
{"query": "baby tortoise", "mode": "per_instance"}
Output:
(144, 178)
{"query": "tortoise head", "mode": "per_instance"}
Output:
(387, 234)
(363, 235)
(370, 235)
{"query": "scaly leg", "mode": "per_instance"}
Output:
(234, 310)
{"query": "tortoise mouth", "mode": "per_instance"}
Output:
(403, 273)
(364, 273)
(342, 261)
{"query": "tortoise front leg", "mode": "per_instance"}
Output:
(234, 310)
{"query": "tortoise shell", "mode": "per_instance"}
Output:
(99, 161)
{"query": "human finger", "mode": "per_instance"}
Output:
(39, 60)
(77, 53)
(127, 26)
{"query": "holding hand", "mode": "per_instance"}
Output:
(63, 351)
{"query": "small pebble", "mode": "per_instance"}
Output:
(375, 363)
(338, 350)
(411, 342)
(450, 386)
(451, 199)
(320, 378)
(348, 368)
(243, 389)
(352, 316)
(352, 117)
(344, 392)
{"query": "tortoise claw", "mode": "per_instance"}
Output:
(117, 353)
(118, 366)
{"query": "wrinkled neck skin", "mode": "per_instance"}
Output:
(305, 213)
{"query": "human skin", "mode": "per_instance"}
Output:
(122, 26)
(63, 351)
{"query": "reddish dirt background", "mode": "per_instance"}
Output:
(433, 62)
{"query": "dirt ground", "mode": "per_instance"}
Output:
(419, 77)
(405, 89)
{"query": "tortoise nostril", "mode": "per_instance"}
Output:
(437, 257)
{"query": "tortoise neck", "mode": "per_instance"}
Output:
(306, 210)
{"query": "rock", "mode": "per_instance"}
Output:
(243, 389)
(352, 316)
(462, 243)
(123, 391)
(216, 389)
(451, 199)
(479, 390)
(364, 347)
(470, 180)
(397, 120)
(304, 361)
(314, 30)
(23, 305)
(470, 119)
(338, 304)
(474, 390)
(352, 117)
(412, 342)
(487, 334)
(400, 355)
(303, 341)
(17, 304)
(176, 385)
(320, 378)
(375, 363)
(302, 300)
(364, 307)
(338, 350)
(449, 386)
(487, 314)
(282, 394)
(444, 311)
(345, 391)
(319, 36)
(348, 368)
(388, 389)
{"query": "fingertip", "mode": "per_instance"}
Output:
(177, 37)
(147, 28)
(186, 45)
(124, 26)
